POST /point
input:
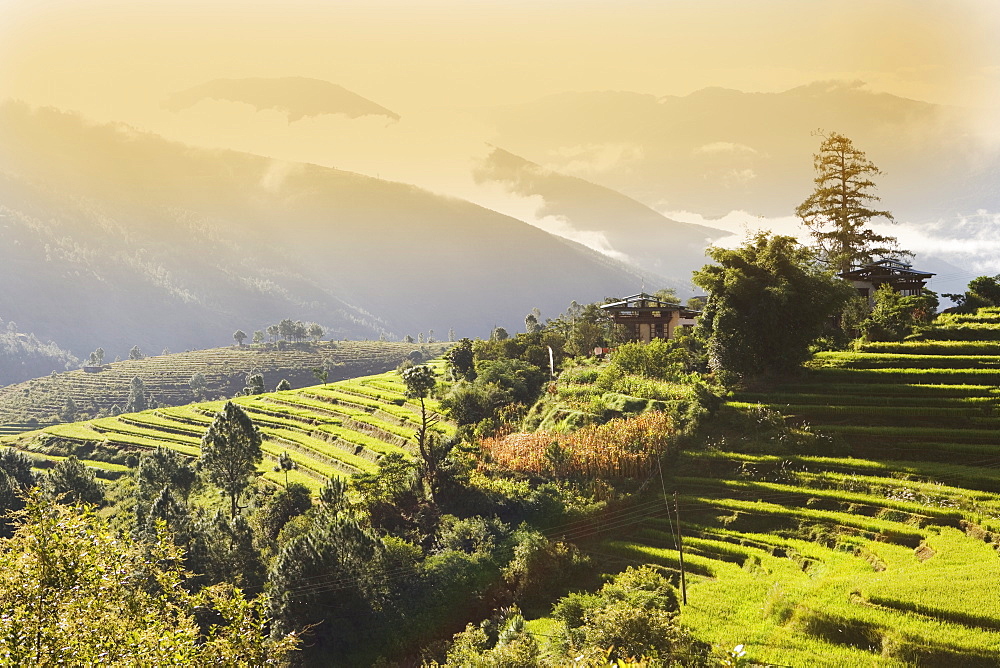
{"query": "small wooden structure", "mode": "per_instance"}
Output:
(93, 368)
(645, 317)
(903, 278)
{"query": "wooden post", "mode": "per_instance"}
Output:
(680, 549)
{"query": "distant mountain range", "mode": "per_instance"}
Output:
(718, 150)
(298, 97)
(113, 238)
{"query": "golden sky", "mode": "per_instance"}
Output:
(118, 58)
(433, 62)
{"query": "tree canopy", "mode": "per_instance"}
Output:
(982, 291)
(75, 592)
(839, 209)
(768, 300)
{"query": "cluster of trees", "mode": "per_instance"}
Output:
(771, 299)
(981, 292)
(285, 330)
(633, 617)
(768, 301)
(384, 564)
(76, 592)
(496, 381)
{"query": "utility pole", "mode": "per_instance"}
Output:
(680, 549)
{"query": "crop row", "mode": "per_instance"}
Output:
(933, 347)
(906, 375)
(981, 404)
(878, 360)
(939, 415)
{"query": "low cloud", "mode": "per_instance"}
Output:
(495, 196)
(724, 148)
(277, 172)
(742, 224)
(968, 241)
(594, 158)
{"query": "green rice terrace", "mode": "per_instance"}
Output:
(859, 528)
(329, 430)
(167, 378)
(849, 516)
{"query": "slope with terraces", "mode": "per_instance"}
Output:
(864, 529)
(167, 378)
(336, 429)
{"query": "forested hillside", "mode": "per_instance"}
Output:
(113, 238)
(23, 356)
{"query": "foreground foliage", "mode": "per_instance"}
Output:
(74, 593)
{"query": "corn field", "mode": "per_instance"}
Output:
(622, 448)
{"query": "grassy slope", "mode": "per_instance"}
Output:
(167, 377)
(331, 430)
(882, 557)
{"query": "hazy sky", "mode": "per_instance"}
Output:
(431, 62)
(114, 57)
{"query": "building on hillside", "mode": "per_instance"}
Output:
(903, 278)
(645, 317)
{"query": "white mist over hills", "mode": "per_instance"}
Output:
(718, 158)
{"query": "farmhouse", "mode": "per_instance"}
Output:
(645, 317)
(903, 278)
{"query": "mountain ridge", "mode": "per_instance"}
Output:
(124, 238)
(298, 97)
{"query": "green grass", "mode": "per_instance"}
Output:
(979, 404)
(814, 410)
(907, 375)
(934, 347)
(337, 430)
(878, 360)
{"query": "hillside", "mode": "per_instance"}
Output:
(650, 240)
(167, 377)
(330, 430)
(23, 356)
(117, 238)
(865, 539)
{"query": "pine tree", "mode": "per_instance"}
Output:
(838, 211)
(230, 452)
(137, 400)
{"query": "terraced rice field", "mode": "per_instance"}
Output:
(883, 555)
(337, 429)
(167, 377)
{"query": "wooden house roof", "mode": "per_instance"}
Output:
(885, 271)
(644, 303)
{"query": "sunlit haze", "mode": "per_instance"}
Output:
(608, 124)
